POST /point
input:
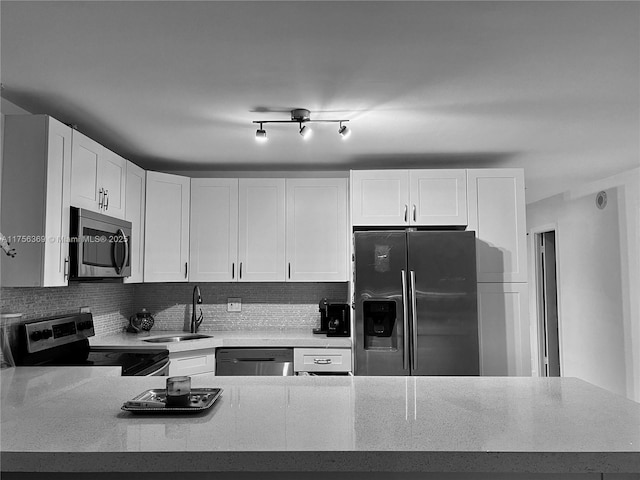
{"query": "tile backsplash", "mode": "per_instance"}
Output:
(264, 305)
(111, 303)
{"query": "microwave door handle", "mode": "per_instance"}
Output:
(120, 268)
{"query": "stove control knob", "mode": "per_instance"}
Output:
(36, 335)
(84, 325)
(47, 334)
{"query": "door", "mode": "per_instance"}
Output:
(438, 197)
(261, 231)
(381, 314)
(86, 155)
(134, 213)
(112, 176)
(444, 305)
(166, 238)
(380, 197)
(214, 230)
(317, 230)
(548, 303)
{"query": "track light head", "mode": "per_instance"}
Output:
(344, 131)
(261, 135)
(305, 131)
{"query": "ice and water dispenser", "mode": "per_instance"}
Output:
(380, 325)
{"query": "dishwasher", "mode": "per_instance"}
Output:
(254, 361)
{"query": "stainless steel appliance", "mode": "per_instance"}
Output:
(99, 246)
(254, 361)
(335, 319)
(64, 341)
(415, 303)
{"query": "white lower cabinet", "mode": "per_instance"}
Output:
(503, 324)
(311, 360)
(192, 362)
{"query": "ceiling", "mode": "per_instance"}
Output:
(175, 85)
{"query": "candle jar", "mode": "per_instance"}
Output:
(178, 391)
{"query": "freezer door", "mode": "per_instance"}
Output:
(444, 313)
(381, 315)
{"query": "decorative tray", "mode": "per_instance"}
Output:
(154, 401)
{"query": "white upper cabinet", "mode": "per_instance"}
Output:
(134, 213)
(438, 197)
(261, 230)
(213, 240)
(380, 197)
(497, 215)
(166, 237)
(98, 177)
(409, 197)
(35, 213)
(317, 229)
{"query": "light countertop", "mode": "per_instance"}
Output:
(339, 424)
(239, 338)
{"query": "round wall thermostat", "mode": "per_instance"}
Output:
(601, 200)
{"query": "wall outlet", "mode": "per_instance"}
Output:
(234, 304)
(85, 309)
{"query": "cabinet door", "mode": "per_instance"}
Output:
(166, 237)
(134, 213)
(261, 230)
(36, 175)
(213, 239)
(317, 229)
(380, 197)
(504, 329)
(58, 211)
(497, 215)
(112, 175)
(438, 197)
(86, 155)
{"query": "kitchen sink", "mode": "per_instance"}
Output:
(177, 338)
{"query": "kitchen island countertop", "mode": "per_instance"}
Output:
(338, 424)
(235, 338)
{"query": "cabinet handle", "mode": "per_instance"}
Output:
(414, 213)
(289, 269)
(322, 361)
(233, 270)
(106, 199)
(65, 274)
(240, 271)
(406, 210)
(100, 198)
(186, 269)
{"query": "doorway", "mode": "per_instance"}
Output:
(547, 293)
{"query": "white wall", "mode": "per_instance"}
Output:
(598, 255)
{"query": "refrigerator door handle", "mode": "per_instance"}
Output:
(405, 322)
(414, 323)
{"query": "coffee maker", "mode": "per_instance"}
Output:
(335, 319)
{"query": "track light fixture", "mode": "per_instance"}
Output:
(301, 116)
(261, 135)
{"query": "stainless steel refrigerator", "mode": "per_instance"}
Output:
(416, 310)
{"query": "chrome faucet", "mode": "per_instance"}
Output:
(196, 299)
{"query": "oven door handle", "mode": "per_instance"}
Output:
(163, 370)
(120, 268)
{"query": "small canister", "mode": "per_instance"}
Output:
(178, 391)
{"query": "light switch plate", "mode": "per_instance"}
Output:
(234, 304)
(85, 309)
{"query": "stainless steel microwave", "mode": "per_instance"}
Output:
(99, 246)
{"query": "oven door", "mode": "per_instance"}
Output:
(102, 248)
(158, 370)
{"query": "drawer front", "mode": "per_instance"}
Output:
(322, 360)
(186, 363)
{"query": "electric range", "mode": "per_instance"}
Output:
(64, 341)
